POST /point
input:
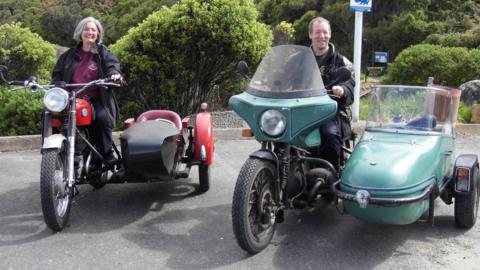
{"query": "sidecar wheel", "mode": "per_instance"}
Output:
(55, 196)
(253, 218)
(466, 206)
(204, 177)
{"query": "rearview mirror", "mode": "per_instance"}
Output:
(242, 68)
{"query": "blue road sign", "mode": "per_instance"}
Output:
(361, 5)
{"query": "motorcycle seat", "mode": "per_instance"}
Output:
(161, 115)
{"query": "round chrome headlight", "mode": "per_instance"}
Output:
(273, 123)
(55, 99)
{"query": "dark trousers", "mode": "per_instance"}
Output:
(331, 143)
(102, 129)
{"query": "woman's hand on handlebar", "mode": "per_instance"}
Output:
(116, 77)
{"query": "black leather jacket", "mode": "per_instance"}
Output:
(331, 62)
(108, 64)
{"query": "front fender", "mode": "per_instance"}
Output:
(53, 141)
(204, 138)
(265, 155)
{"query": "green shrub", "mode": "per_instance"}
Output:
(178, 55)
(449, 66)
(20, 112)
(364, 102)
(283, 33)
(26, 52)
(469, 39)
(464, 113)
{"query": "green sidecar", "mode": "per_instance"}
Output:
(405, 160)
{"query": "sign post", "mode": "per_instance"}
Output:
(358, 6)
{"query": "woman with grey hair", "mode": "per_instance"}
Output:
(87, 61)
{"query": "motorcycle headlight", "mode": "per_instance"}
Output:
(273, 123)
(55, 99)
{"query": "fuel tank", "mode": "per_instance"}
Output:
(149, 150)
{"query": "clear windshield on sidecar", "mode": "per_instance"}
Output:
(287, 71)
(410, 109)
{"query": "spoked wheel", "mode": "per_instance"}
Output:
(204, 177)
(55, 195)
(253, 215)
(466, 206)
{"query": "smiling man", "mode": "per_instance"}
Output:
(328, 60)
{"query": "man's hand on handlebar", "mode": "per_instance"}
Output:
(337, 90)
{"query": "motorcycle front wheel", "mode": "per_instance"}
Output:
(253, 218)
(55, 195)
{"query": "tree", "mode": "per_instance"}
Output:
(178, 55)
(25, 11)
(126, 14)
(60, 18)
(272, 12)
(58, 23)
(283, 33)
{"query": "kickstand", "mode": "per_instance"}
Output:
(75, 191)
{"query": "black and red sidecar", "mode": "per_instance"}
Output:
(159, 145)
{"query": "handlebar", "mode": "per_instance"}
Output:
(34, 86)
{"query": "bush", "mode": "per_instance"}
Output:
(449, 66)
(468, 40)
(178, 55)
(26, 52)
(283, 33)
(20, 112)
(364, 102)
(464, 113)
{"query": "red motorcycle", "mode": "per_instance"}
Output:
(152, 148)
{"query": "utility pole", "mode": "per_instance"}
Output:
(358, 6)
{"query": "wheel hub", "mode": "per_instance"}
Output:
(61, 194)
(265, 207)
(59, 184)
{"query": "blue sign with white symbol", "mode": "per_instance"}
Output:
(361, 5)
(381, 57)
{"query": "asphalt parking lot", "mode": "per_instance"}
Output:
(170, 226)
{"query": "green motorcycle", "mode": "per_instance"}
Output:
(400, 165)
(285, 105)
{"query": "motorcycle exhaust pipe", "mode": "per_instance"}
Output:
(313, 192)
